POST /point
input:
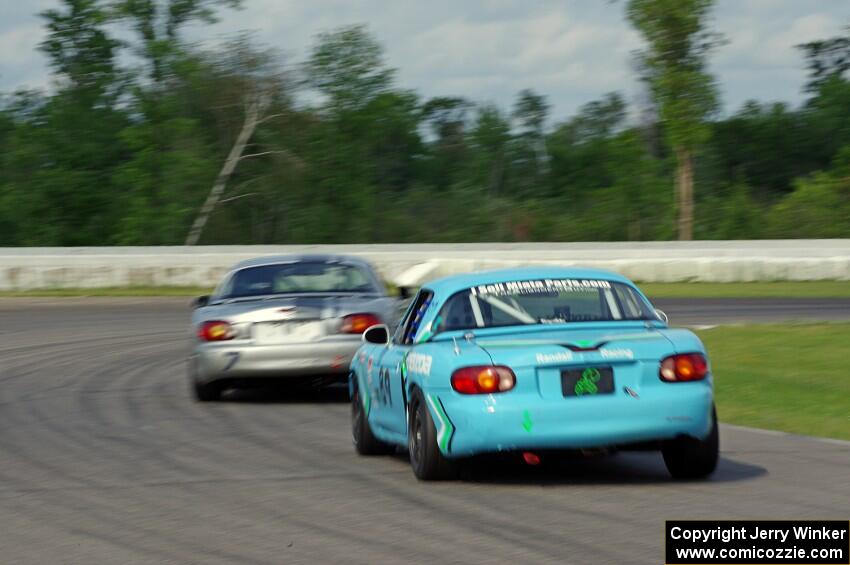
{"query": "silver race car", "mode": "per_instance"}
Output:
(286, 316)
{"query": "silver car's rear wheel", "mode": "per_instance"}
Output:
(208, 392)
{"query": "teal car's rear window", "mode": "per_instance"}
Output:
(542, 301)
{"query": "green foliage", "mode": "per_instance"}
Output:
(674, 64)
(736, 215)
(79, 49)
(531, 109)
(161, 189)
(347, 66)
(827, 58)
(122, 154)
(490, 138)
(819, 207)
(598, 119)
(674, 67)
(55, 187)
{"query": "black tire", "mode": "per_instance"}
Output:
(427, 461)
(689, 458)
(364, 441)
(209, 392)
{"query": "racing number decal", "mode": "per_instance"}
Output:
(384, 395)
(233, 358)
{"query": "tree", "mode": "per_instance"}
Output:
(819, 207)
(826, 112)
(347, 66)
(827, 58)
(146, 139)
(447, 116)
(79, 48)
(65, 146)
(391, 139)
(491, 135)
(251, 81)
(365, 140)
(674, 67)
(531, 111)
(599, 118)
(158, 24)
(753, 146)
(170, 160)
(583, 155)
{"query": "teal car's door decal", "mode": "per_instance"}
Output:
(403, 370)
(445, 429)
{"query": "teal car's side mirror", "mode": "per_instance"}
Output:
(378, 334)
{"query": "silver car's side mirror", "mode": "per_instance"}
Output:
(378, 334)
(662, 316)
(201, 301)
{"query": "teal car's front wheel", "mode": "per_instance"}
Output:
(689, 458)
(426, 459)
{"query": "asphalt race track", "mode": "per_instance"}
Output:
(708, 311)
(105, 459)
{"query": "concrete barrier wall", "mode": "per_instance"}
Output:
(699, 261)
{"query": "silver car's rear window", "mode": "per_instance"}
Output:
(298, 278)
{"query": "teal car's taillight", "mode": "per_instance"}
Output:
(684, 367)
(484, 379)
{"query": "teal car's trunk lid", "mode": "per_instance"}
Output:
(539, 359)
(562, 345)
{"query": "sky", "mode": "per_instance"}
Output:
(571, 51)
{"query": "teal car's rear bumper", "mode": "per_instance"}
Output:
(470, 425)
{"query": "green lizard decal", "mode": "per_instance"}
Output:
(587, 383)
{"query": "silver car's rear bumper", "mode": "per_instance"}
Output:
(233, 360)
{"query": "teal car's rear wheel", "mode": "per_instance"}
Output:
(689, 458)
(427, 461)
(364, 441)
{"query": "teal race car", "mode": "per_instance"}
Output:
(533, 361)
